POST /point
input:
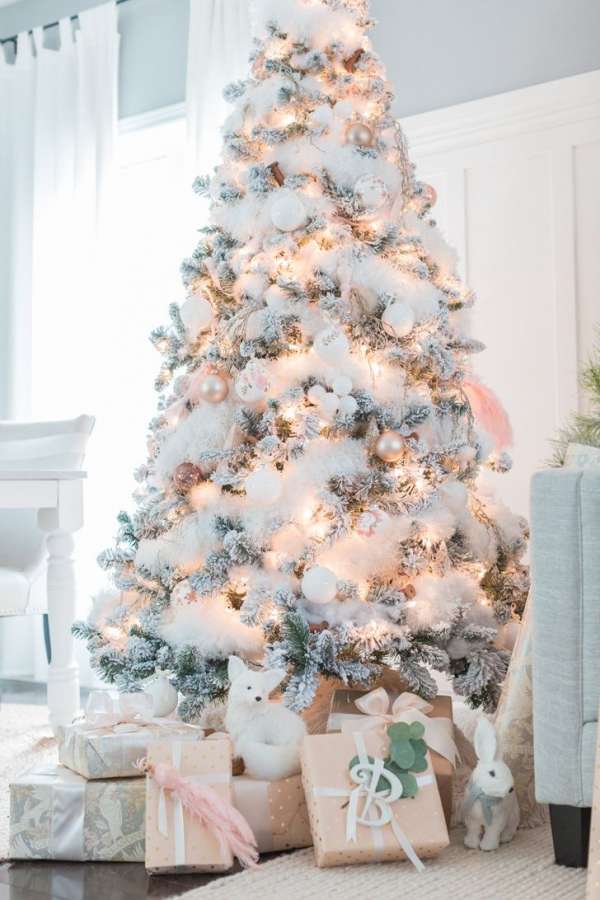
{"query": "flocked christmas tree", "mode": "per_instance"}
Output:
(311, 495)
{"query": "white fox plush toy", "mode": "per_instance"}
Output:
(266, 734)
(490, 805)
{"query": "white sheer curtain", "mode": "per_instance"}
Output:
(219, 45)
(58, 117)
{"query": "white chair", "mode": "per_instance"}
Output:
(41, 507)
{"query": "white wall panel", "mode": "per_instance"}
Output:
(519, 182)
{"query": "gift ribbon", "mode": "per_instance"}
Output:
(67, 810)
(376, 811)
(408, 707)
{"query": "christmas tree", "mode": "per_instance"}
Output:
(311, 497)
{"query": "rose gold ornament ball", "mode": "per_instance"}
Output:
(214, 388)
(359, 134)
(186, 476)
(389, 446)
(429, 195)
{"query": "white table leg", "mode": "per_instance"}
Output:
(63, 672)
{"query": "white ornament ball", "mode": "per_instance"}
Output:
(348, 406)
(255, 324)
(263, 487)
(321, 117)
(319, 585)
(277, 299)
(342, 385)
(214, 388)
(252, 384)
(197, 315)
(164, 696)
(315, 394)
(331, 344)
(359, 134)
(372, 193)
(398, 319)
(369, 521)
(329, 405)
(390, 446)
(288, 212)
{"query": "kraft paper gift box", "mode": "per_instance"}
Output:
(116, 732)
(275, 810)
(56, 814)
(176, 841)
(343, 712)
(343, 807)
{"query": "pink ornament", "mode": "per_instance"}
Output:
(369, 521)
(489, 412)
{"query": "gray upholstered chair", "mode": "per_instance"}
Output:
(565, 558)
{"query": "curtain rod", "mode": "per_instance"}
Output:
(13, 38)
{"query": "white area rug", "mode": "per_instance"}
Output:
(523, 870)
(25, 741)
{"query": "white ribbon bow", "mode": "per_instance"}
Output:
(408, 708)
(103, 710)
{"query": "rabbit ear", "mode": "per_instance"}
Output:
(273, 678)
(485, 741)
(235, 668)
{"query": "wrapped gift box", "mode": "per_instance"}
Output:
(176, 841)
(112, 751)
(336, 803)
(343, 712)
(56, 814)
(275, 810)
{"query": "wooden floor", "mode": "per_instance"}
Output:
(82, 881)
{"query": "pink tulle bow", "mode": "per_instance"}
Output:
(489, 412)
(213, 811)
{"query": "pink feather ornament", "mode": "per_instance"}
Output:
(489, 412)
(214, 813)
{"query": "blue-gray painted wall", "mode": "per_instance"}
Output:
(438, 52)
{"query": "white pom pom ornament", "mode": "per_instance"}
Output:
(288, 211)
(398, 319)
(342, 385)
(197, 315)
(347, 406)
(319, 585)
(164, 696)
(263, 487)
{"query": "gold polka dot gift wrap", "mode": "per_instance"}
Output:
(275, 810)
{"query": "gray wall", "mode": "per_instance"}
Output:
(438, 52)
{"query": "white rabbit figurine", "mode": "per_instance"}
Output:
(490, 805)
(265, 733)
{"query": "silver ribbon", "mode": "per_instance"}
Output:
(67, 810)
(376, 811)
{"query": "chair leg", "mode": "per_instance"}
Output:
(63, 677)
(571, 834)
(47, 642)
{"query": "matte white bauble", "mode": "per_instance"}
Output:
(255, 324)
(164, 696)
(390, 446)
(252, 384)
(321, 117)
(214, 388)
(263, 487)
(398, 319)
(319, 585)
(197, 315)
(331, 344)
(329, 405)
(315, 394)
(348, 405)
(372, 193)
(288, 211)
(342, 385)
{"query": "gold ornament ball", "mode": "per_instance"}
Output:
(186, 476)
(214, 388)
(359, 134)
(390, 446)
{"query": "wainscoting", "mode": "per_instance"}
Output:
(518, 178)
